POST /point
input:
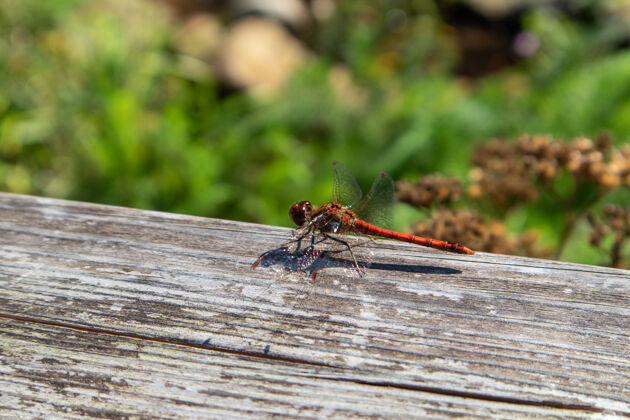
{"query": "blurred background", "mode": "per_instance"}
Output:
(236, 109)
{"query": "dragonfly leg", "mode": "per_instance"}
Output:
(284, 247)
(347, 245)
(299, 238)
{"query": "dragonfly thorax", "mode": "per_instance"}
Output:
(329, 217)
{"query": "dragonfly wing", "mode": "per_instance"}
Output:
(346, 190)
(378, 205)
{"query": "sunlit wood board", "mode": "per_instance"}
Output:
(115, 312)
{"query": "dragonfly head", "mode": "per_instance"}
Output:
(300, 212)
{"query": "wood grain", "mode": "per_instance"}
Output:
(115, 312)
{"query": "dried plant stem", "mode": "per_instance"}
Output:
(615, 253)
(572, 217)
(566, 233)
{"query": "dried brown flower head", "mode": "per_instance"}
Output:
(512, 173)
(501, 174)
(506, 174)
(429, 190)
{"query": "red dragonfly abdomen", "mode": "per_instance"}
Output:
(368, 229)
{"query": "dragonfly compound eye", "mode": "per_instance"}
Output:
(300, 212)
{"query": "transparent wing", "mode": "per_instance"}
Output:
(378, 205)
(346, 190)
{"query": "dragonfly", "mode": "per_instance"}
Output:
(351, 212)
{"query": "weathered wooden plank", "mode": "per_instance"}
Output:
(51, 371)
(491, 328)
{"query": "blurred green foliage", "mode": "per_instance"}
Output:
(98, 104)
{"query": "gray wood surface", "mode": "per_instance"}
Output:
(113, 312)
